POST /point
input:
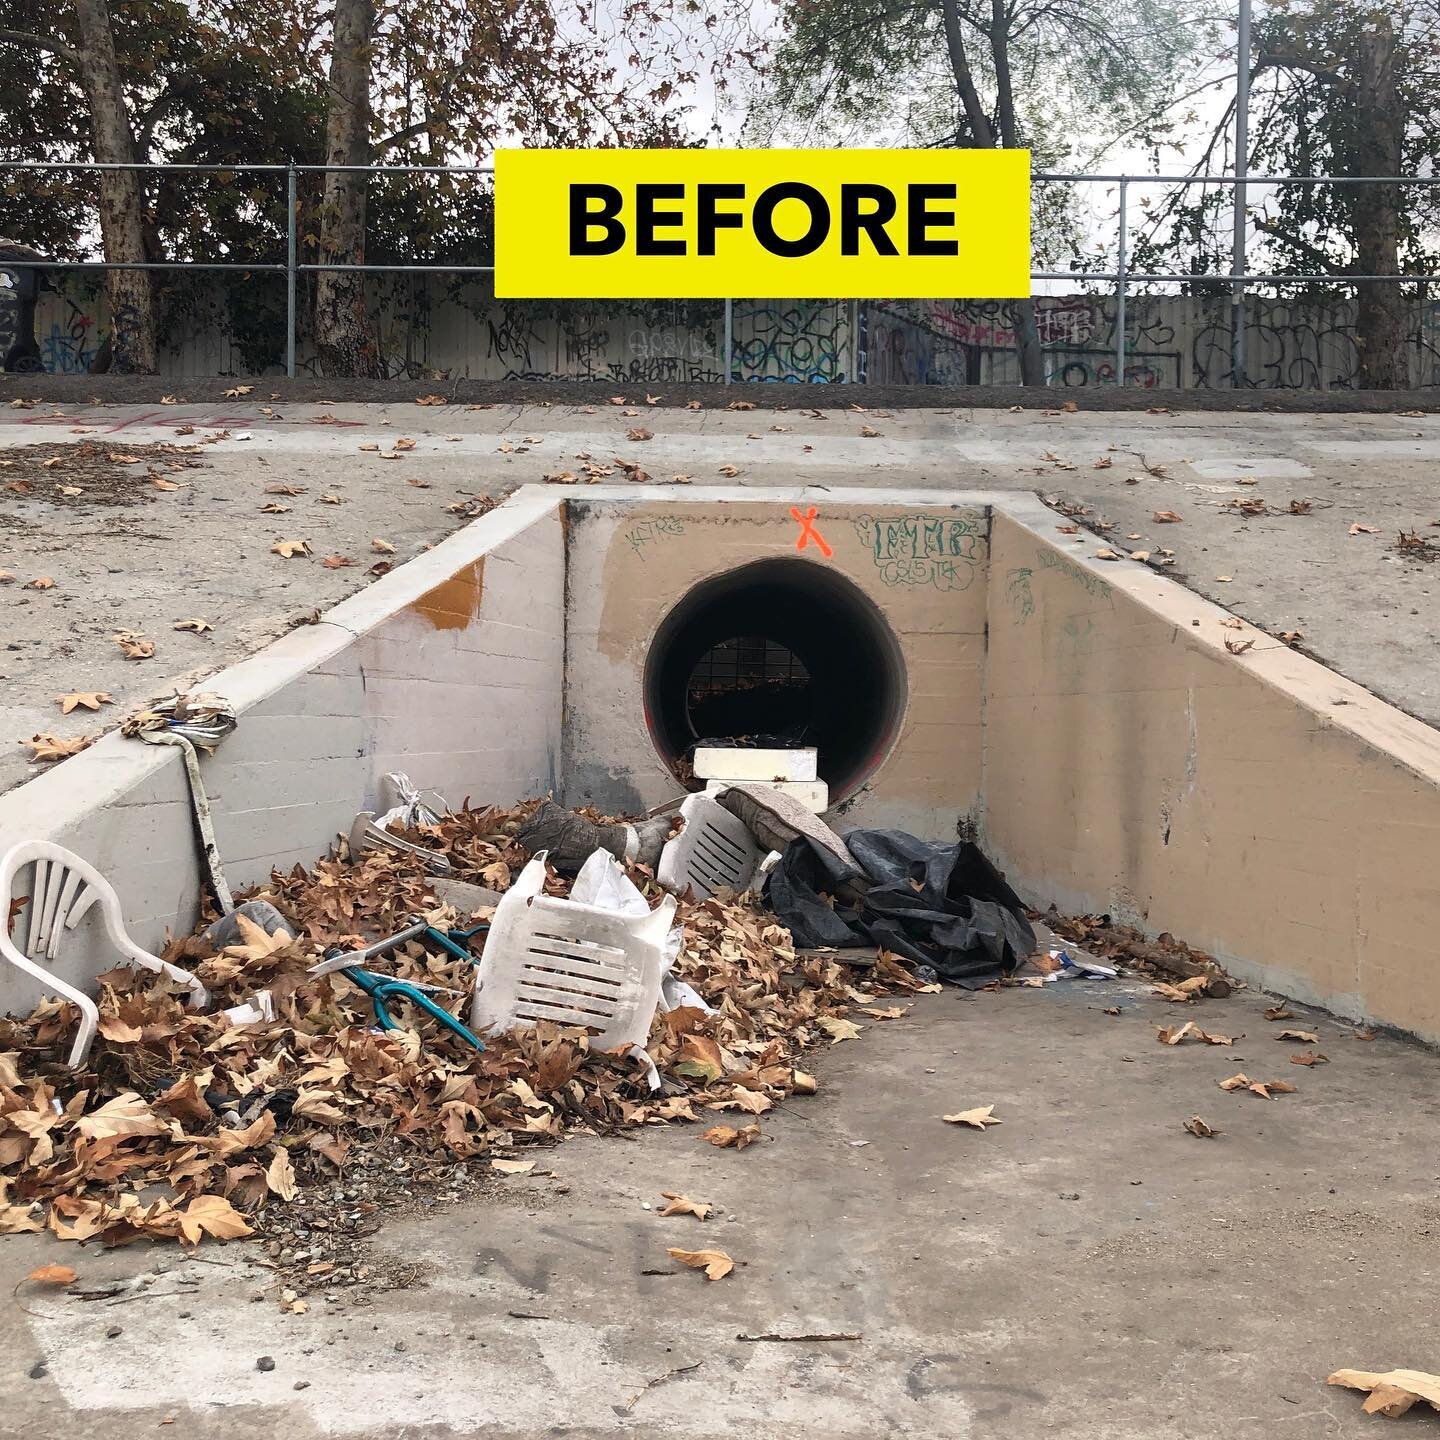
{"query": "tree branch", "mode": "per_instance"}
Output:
(1313, 253)
(42, 42)
(1276, 60)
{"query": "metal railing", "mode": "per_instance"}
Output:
(1121, 277)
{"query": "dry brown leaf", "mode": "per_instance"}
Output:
(194, 624)
(404, 443)
(134, 646)
(118, 459)
(684, 1205)
(1238, 1081)
(274, 507)
(1238, 647)
(1196, 1126)
(382, 547)
(161, 483)
(278, 489)
(1279, 1012)
(639, 432)
(1310, 1058)
(212, 1215)
(512, 1167)
(126, 1114)
(336, 562)
(52, 747)
(289, 549)
(1210, 1038)
(40, 582)
(432, 400)
(1166, 517)
(976, 1119)
(729, 470)
(236, 392)
(838, 1029)
(53, 1275)
(1303, 1037)
(280, 1174)
(87, 699)
(1358, 529)
(715, 1263)
(728, 1137)
(1174, 1034)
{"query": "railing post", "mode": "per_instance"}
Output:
(729, 337)
(1121, 258)
(1242, 169)
(290, 274)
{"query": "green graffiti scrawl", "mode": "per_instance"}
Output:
(938, 550)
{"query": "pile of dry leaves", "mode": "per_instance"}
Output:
(182, 1125)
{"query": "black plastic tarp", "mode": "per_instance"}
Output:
(942, 905)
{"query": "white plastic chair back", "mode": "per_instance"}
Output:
(551, 959)
(62, 890)
(714, 851)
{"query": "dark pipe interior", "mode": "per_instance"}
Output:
(843, 692)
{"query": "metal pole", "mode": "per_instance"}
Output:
(290, 274)
(729, 337)
(1120, 259)
(1242, 169)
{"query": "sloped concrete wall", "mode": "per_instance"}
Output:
(450, 669)
(1257, 804)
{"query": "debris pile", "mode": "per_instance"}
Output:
(182, 1125)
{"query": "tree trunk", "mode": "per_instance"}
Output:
(122, 230)
(344, 337)
(1381, 309)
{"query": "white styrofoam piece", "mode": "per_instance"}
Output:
(713, 851)
(814, 795)
(552, 959)
(724, 762)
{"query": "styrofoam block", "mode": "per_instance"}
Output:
(723, 762)
(814, 795)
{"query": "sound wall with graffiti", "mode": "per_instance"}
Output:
(441, 329)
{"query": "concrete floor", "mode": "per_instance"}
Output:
(205, 551)
(1085, 1269)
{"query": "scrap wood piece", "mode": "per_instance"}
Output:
(1392, 1392)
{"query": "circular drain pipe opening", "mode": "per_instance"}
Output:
(780, 648)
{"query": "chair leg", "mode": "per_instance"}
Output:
(89, 1023)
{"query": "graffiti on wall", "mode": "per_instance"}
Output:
(1171, 341)
(801, 341)
(937, 550)
(70, 334)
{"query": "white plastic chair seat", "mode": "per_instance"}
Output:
(714, 851)
(62, 889)
(552, 959)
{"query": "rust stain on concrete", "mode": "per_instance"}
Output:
(455, 602)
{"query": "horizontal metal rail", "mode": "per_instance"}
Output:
(1121, 278)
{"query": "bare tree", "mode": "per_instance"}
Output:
(344, 336)
(92, 59)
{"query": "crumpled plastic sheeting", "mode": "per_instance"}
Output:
(963, 920)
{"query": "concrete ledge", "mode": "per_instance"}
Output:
(419, 671)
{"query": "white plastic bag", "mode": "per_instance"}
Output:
(602, 882)
(410, 809)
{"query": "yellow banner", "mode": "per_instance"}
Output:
(807, 224)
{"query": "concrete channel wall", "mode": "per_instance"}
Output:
(450, 669)
(1255, 804)
(1118, 743)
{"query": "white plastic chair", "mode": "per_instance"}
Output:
(551, 959)
(714, 851)
(62, 889)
